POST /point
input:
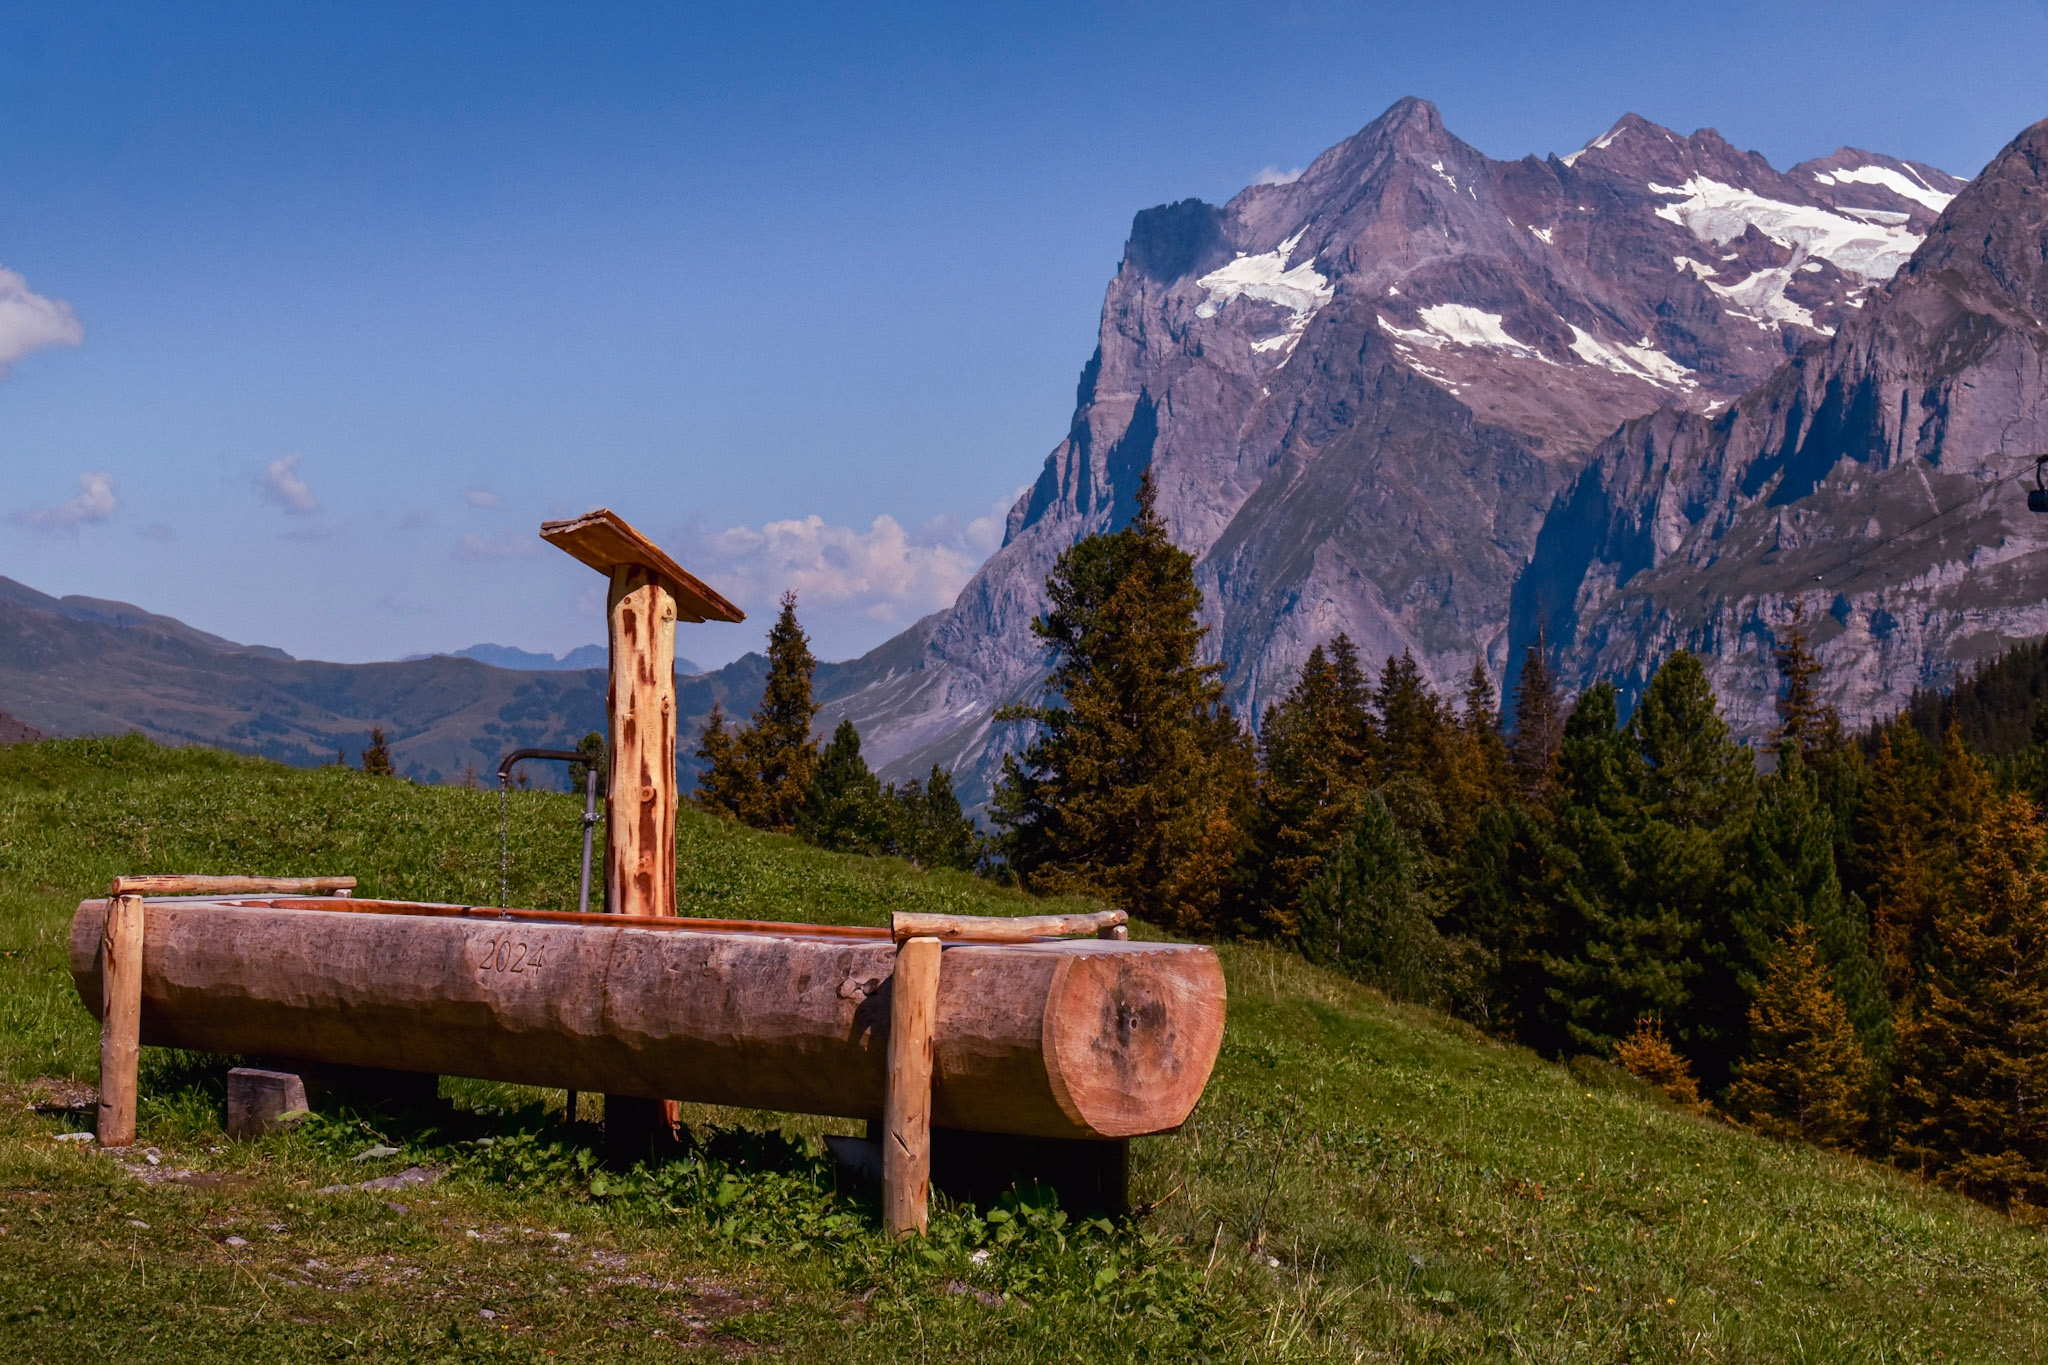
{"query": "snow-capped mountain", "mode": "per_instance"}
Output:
(1876, 481)
(1359, 391)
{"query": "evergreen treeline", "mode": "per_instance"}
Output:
(772, 775)
(1841, 941)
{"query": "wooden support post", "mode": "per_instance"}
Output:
(640, 825)
(120, 1020)
(907, 1103)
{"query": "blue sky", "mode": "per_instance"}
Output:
(313, 313)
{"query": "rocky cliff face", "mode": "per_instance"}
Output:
(1360, 391)
(1876, 481)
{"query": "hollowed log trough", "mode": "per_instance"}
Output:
(1055, 1039)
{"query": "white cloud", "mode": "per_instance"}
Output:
(281, 484)
(482, 497)
(511, 545)
(30, 322)
(95, 502)
(1273, 175)
(882, 575)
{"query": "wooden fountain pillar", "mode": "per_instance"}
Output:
(650, 592)
(640, 707)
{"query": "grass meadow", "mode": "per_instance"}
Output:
(1362, 1182)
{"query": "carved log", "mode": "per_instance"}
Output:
(1077, 1039)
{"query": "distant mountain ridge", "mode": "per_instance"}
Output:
(510, 656)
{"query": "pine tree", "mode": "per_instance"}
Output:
(759, 773)
(1806, 1076)
(1135, 784)
(843, 807)
(1539, 729)
(1973, 1097)
(592, 747)
(1315, 765)
(1647, 1055)
(1413, 722)
(377, 758)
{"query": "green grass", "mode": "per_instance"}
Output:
(1362, 1182)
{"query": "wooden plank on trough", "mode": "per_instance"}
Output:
(179, 884)
(905, 925)
(606, 541)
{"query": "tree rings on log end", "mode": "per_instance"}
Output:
(1130, 1039)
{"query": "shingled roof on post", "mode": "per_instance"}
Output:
(606, 541)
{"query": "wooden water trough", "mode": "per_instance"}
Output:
(1050, 1027)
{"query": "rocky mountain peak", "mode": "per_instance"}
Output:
(1359, 391)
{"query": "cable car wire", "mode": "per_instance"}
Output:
(1872, 548)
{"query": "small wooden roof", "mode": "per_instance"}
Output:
(606, 541)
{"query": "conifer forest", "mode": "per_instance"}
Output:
(1831, 937)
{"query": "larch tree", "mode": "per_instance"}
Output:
(377, 758)
(1806, 1075)
(1136, 782)
(1893, 861)
(759, 773)
(1805, 721)
(1973, 1095)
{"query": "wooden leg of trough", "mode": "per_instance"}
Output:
(907, 1106)
(638, 1129)
(120, 1020)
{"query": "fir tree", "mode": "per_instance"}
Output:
(1367, 913)
(1412, 720)
(1973, 1099)
(759, 773)
(1696, 790)
(932, 829)
(1611, 954)
(1806, 1075)
(1539, 729)
(1315, 766)
(1786, 876)
(1486, 748)
(725, 783)
(843, 807)
(592, 747)
(377, 758)
(1136, 782)
(1805, 722)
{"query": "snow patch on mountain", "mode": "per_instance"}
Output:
(1642, 361)
(1898, 182)
(1718, 213)
(1457, 324)
(1301, 290)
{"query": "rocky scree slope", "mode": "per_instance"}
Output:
(1358, 392)
(1875, 483)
